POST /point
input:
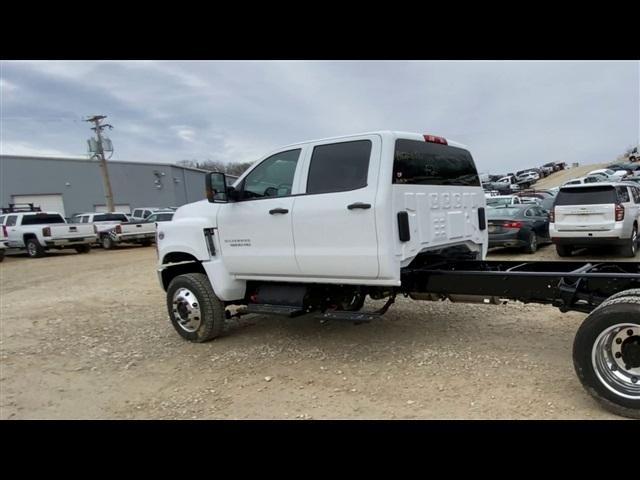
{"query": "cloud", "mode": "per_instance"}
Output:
(511, 114)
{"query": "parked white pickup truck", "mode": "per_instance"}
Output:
(3, 240)
(143, 233)
(38, 232)
(114, 228)
(348, 211)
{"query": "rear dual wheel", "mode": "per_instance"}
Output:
(606, 354)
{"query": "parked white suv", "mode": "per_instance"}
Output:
(502, 200)
(596, 215)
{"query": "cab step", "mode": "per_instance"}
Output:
(284, 310)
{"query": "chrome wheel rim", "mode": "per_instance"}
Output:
(186, 310)
(31, 248)
(616, 359)
(634, 241)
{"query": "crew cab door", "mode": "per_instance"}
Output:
(334, 225)
(255, 232)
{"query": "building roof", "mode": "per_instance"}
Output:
(88, 160)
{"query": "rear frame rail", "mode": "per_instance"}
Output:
(569, 286)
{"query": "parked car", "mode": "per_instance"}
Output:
(595, 178)
(529, 176)
(36, 231)
(547, 169)
(521, 226)
(634, 156)
(632, 168)
(530, 201)
(596, 215)
(107, 231)
(502, 200)
(615, 172)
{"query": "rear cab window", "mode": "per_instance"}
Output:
(425, 163)
(110, 217)
(42, 219)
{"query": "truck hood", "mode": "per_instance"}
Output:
(199, 209)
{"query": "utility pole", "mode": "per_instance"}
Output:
(97, 121)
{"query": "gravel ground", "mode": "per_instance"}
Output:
(87, 336)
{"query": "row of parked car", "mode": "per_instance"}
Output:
(571, 217)
(523, 179)
(613, 173)
(27, 227)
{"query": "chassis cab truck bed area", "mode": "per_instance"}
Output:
(318, 226)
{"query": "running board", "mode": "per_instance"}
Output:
(266, 309)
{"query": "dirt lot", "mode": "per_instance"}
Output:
(87, 336)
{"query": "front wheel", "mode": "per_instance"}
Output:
(606, 354)
(195, 311)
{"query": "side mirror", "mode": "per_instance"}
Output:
(216, 186)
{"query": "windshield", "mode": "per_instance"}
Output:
(110, 217)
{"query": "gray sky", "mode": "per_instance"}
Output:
(512, 115)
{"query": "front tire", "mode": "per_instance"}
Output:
(34, 249)
(606, 354)
(195, 311)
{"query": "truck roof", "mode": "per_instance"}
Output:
(393, 134)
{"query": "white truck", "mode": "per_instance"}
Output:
(37, 231)
(115, 228)
(315, 227)
(3, 240)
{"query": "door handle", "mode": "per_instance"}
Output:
(278, 210)
(360, 205)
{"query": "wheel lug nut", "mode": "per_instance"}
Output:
(194, 305)
(634, 379)
(618, 354)
(618, 341)
(630, 332)
(614, 368)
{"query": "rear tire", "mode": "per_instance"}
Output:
(83, 248)
(631, 248)
(563, 250)
(601, 339)
(195, 311)
(107, 242)
(532, 245)
(34, 249)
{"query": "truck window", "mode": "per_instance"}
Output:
(623, 195)
(110, 217)
(42, 219)
(1, 219)
(137, 213)
(11, 220)
(339, 167)
(273, 177)
(586, 196)
(424, 163)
